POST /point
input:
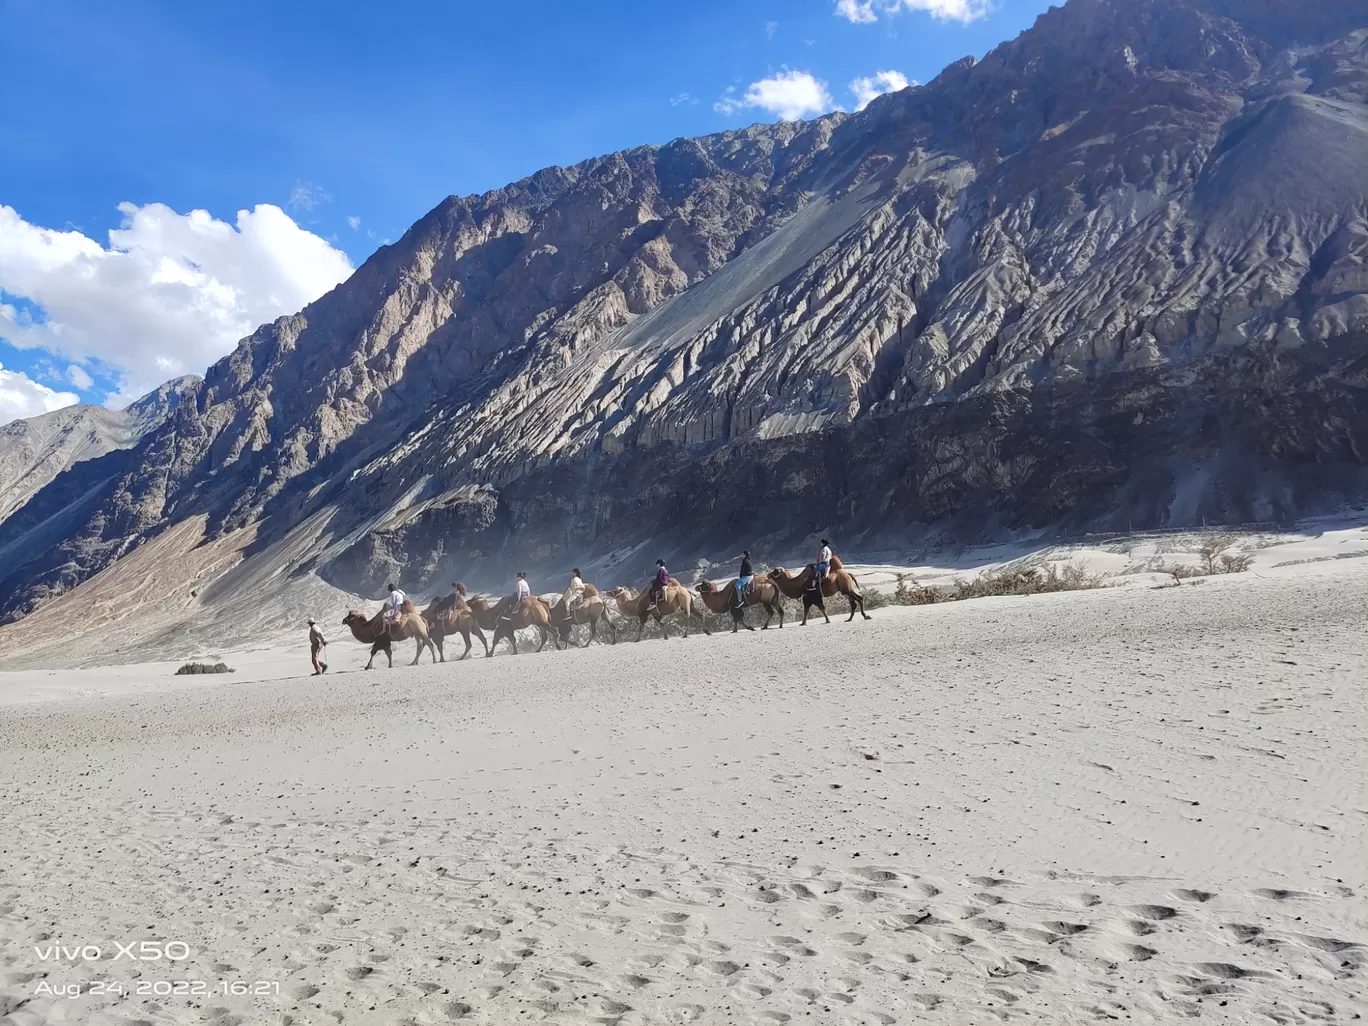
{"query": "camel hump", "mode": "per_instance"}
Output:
(407, 606)
(590, 591)
(836, 563)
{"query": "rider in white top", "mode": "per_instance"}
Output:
(825, 561)
(524, 589)
(574, 594)
(395, 605)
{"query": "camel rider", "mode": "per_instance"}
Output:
(459, 593)
(824, 561)
(394, 608)
(743, 580)
(514, 602)
(661, 582)
(574, 595)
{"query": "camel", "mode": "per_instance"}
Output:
(762, 591)
(531, 613)
(372, 632)
(446, 618)
(591, 610)
(838, 581)
(677, 599)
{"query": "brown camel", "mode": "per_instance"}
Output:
(372, 632)
(838, 581)
(591, 610)
(447, 617)
(532, 612)
(762, 592)
(677, 599)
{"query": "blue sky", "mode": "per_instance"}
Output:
(355, 119)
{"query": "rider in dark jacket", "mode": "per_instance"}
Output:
(744, 578)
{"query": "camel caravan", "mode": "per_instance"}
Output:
(664, 600)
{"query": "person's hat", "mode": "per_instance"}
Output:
(745, 552)
(310, 622)
(660, 562)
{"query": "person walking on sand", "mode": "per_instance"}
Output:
(318, 646)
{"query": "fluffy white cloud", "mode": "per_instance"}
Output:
(790, 95)
(864, 11)
(77, 376)
(867, 89)
(169, 295)
(355, 222)
(21, 396)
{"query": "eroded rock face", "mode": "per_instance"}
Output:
(1115, 272)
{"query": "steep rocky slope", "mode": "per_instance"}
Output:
(36, 450)
(1114, 273)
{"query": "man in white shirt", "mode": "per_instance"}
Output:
(395, 606)
(574, 594)
(824, 561)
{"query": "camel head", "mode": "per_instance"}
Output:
(622, 593)
(706, 587)
(353, 617)
(779, 574)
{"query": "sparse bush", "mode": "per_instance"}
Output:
(205, 668)
(874, 599)
(910, 593)
(1214, 560)
(1030, 581)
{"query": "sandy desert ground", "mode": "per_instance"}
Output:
(1136, 804)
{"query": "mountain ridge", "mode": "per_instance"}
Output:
(1116, 269)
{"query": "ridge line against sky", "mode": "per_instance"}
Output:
(180, 175)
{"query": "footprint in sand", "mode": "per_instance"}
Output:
(1155, 913)
(1195, 896)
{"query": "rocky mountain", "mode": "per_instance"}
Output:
(1116, 273)
(36, 450)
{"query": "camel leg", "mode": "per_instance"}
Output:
(374, 648)
(389, 654)
(418, 653)
(641, 626)
(479, 634)
(665, 628)
(439, 642)
(593, 632)
(541, 630)
(465, 636)
(612, 628)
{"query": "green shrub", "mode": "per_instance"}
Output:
(205, 668)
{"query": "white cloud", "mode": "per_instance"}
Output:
(790, 95)
(865, 11)
(21, 396)
(306, 196)
(169, 295)
(770, 28)
(874, 86)
(676, 100)
(355, 222)
(78, 376)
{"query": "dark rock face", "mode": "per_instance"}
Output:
(1114, 274)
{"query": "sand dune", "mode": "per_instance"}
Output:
(1134, 804)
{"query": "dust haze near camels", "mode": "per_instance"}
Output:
(1093, 301)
